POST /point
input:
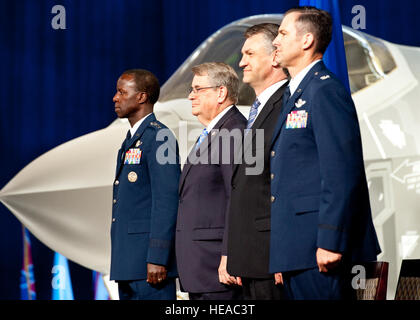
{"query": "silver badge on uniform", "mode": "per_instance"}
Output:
(132, 176)
(138, 143)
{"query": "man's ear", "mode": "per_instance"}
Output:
(141, 97)
(308, 41)
(223, 93)
(274, 62)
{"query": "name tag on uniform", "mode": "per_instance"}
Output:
(133, 156)
(297, 119)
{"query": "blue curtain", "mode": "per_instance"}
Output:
(56, 85)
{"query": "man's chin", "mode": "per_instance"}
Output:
(119, 113)
(245, 79)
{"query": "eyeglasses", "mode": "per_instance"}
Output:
(197, 90)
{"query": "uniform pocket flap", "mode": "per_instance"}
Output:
(139, 226)
(263, 224)
(306, 204)
(208, 234)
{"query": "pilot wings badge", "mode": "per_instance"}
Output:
(300, 103)
(325, 77)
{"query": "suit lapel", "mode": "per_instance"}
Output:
(259, 122)
(134, 138)
(298, 92)
(212, 135)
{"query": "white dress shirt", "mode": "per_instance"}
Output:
(134, 128)
(294, 82)
(217, 118)
(266, 94)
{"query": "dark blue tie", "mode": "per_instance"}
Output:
(286, 95)
(127, 138)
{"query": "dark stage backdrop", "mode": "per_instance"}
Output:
(56, 85)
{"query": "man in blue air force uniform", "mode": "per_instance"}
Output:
(321, 219)
(145, 197)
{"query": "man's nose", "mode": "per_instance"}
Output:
(115, 98)
(276, 41)
(242, 63)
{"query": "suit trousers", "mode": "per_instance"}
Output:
(142, 290)
(233, 294)
(262, 289)
(310, 284)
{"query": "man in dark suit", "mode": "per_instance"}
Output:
(321, 221)
(249, 216)
(145, 197)
(204, 188)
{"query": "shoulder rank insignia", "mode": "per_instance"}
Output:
(325, 77)
(300, 103)
(155, 124)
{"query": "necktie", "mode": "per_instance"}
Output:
(203, 135)
(127, 138)
(286, 95)
(253, 113)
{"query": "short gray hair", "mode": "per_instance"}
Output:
(220, 74)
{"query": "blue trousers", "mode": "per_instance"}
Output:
(310, 284)
(142, 290)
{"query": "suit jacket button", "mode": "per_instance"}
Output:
(116, 182)
(115, 201)
(273, 153)
(272, 176)
(113, 219)
(273, 198)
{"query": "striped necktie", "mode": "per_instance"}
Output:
(203, 135)
(253, 113)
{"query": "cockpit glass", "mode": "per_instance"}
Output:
(368, 60)
(224, 46)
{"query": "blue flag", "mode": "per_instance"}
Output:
(61, 281)
(100, 291)
(27, 278)
(335, 56)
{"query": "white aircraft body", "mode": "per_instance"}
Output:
(64, 197)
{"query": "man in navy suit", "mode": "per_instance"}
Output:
(145, 197)
(249, 214)
(204, 188)
(321, 221)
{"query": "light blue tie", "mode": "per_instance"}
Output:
(253, 113)
(203, 135)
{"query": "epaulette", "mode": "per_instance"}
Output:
(155, 124)
(323, 77)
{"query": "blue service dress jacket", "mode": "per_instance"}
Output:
(145, 202)
(319, 191)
